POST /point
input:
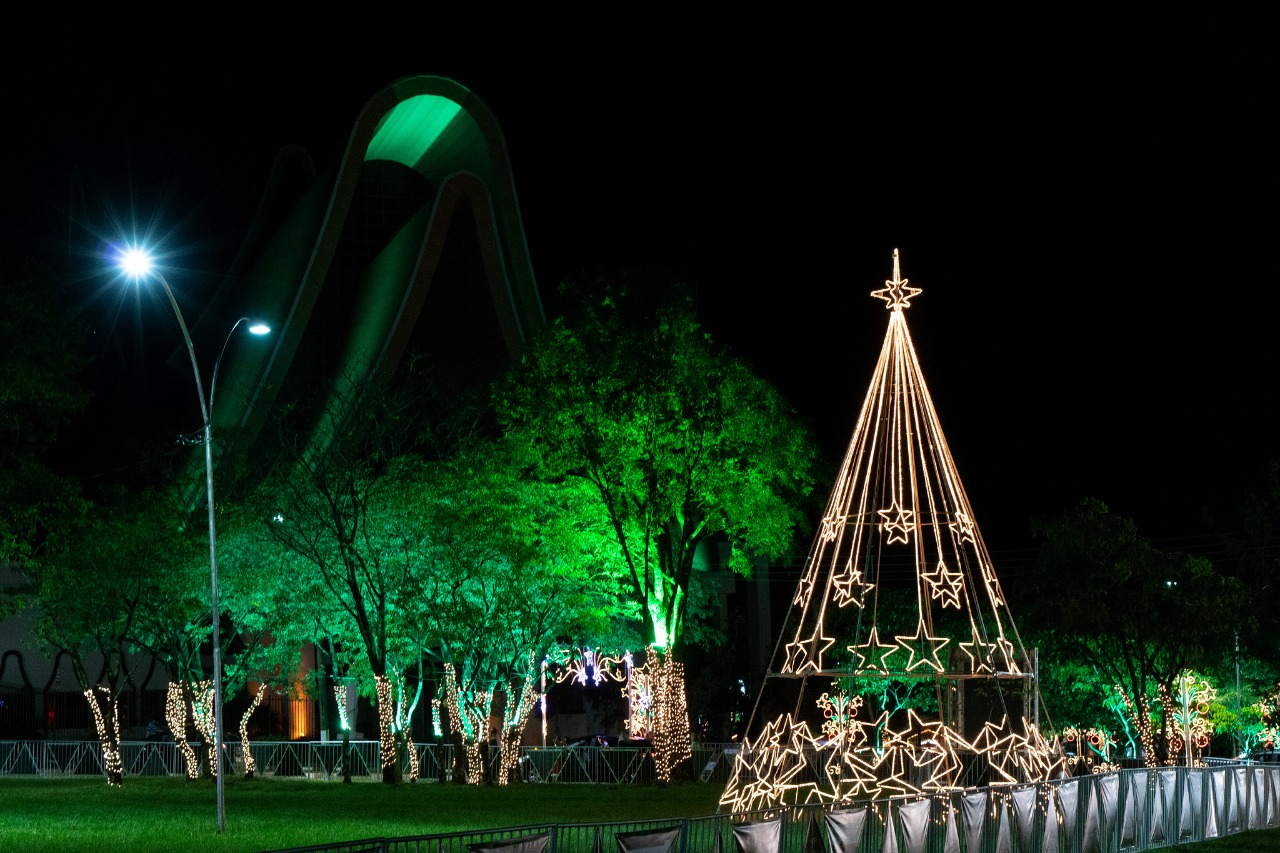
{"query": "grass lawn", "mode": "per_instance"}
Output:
(149, 814)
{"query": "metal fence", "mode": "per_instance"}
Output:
(322, 760)
(1131, 810)
(1128, 810)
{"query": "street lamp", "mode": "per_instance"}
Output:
(136, 263)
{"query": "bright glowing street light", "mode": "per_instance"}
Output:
(136, 263)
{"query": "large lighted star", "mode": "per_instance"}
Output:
(805, 654)
(896, 294)
(872, 648)
(897, 522)
(922, 648)
(945, 584)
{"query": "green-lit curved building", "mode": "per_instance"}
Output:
(411, 240)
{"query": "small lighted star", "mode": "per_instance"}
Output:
(850, 585)
(806, 654)
(897, 522)
(896, 294)
(830, 527)
(804, 588)
(872, 648)
(962, 527)
(993, 584)
(945, 584)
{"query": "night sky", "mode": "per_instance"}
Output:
(1088, 201)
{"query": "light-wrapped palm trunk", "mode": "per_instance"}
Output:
(106, 717)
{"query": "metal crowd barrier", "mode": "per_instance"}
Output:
(322, 760)
(1127, 811)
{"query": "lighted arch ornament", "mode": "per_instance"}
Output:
(898, 536)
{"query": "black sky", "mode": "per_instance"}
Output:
(1088, 201)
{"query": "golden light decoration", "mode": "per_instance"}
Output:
(250, 765)
(895, 293)
(897, 522)
(468, 721)
(656, 693)
(202, 715)
(898, 585)
(945, 585)
(386, 732)
(108, 733)
(175, 716)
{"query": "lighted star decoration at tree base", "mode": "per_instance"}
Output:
(898, 536)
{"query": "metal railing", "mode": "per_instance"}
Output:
(1127, 810)
(322, 760)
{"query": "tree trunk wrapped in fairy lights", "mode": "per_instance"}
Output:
(468, 712)
(202, 706)
(669, 730)
(250, 765)
(680, 443)
(176, 713)
(898, 585)
(106, 719)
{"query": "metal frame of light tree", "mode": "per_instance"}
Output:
(898, 498)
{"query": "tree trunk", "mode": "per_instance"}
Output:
(389, 743)
(106, 717)
(249, 764)
(175, 716)
(670, 731)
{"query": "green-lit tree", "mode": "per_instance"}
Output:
(680, 441)
(509, 563)
(340, 501)
(88, 596)
(1106, 597)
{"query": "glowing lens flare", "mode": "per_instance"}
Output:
(135, 262)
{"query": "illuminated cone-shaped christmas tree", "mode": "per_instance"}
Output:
(897, 609)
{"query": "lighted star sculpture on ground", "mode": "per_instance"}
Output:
(899, 585)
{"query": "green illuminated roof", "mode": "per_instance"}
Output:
(406, 133)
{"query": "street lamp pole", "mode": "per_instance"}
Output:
(138, 265)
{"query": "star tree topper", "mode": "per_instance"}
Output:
(896, 294)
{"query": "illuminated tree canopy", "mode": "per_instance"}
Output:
(1136, 614)
(680, 440)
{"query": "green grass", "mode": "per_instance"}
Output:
(147, 814)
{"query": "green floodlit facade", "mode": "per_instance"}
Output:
(409, 240)
(412, 239)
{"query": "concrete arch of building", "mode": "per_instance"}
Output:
(412, 238)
